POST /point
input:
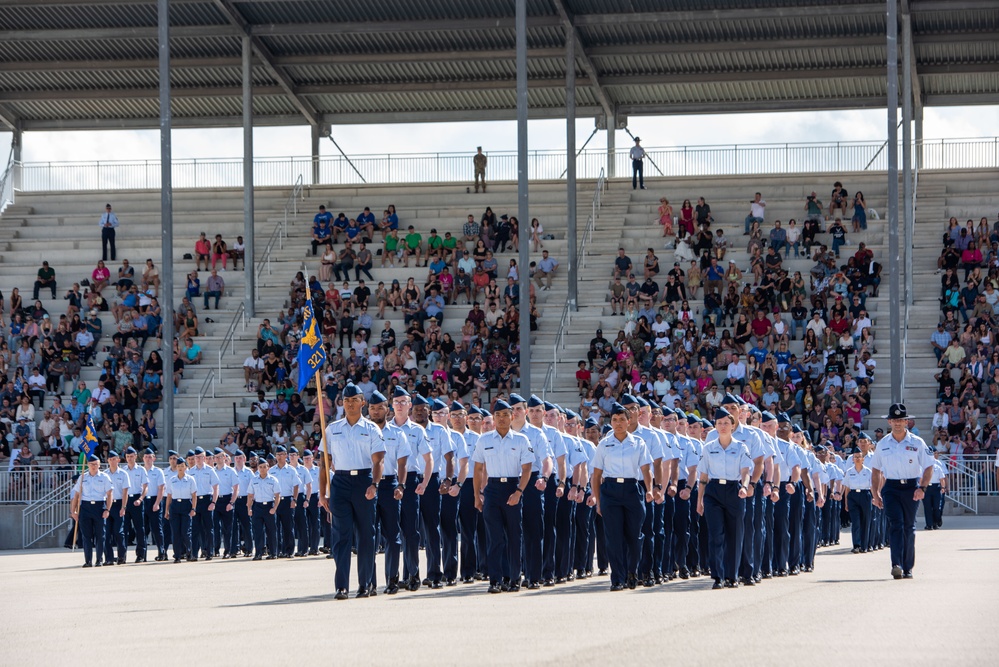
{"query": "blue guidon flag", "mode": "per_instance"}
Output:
(90, 441)
(311, 353)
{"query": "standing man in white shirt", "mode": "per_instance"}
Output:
(109, 223)
(637, 163)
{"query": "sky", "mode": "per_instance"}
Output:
(870, 125)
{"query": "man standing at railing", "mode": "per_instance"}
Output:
(480, 161)
(637, 158)
(109, 223)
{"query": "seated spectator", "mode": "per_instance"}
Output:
(215, 287)
(150, 277)
(838, 233)
(340, 225)
(220, 251)
(202, 251)
(622, 264)
(366, 222)
(778, 237)
(45, 280)
(412, 246)
(545, 271)
(126, 277)
(839, 199)
(363, 262)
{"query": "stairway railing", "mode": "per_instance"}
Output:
(278, 234)
(227, 341)
(46, 515)
(963, 490)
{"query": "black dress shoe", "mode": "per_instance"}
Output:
(855, 550)
(794, 572)
(140, 560)
(192, 559)
(731, 583)
(361, 593)
(175, 561)
(468, 580)
(301, 554)
(896, 572)
(329, 556)
(767, 575)
(717, 585)
(757, 579)
(392, 589)
(907, 575)
(98, 564)
(414, 584)
(534, 586)
(451, 582)
(87, 565)
(495, 588)
(513, 588)
(648, 582)
(747, 581)
(559, 580)
(436, 585)
(602, 572)
(314, 552)
(549, 583)
(632, 582)
(258, 558)
(617, 587)
(426, 582)
(781, 573)
(272, 557)
(683, 574)
(340, 595)
(208, 557)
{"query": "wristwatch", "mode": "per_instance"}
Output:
(657, 487)
(921, 488)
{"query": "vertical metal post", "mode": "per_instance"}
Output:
(570, 167)
(894, 295)
(17, 141)
(907, 180)
(166, 206)
(315, 154)
(249, 265)
(919, 137)
(523, 213)
(611, 146)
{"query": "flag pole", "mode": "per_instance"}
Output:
(76, 521)
(324, 467)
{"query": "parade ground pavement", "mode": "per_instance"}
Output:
(238, 612)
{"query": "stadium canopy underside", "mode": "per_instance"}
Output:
(81, 64)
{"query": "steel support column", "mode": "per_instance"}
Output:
(17, 141)
(523, 211)
(166, 218)
(907, 180)
(315, 154)
(570, 169)
(249, 265)
(611, 146)
(894, 292)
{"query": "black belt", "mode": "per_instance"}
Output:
(385, 478)
(202, 497)
(353, 473)
(723, 482)
(94, 502)
(260, 502)
(860, 490)
(135, 495)
(902, 482)
(504, 480)
(620, 480)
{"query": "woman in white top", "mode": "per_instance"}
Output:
(536, 231)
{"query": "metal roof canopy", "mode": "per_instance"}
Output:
(83, 64)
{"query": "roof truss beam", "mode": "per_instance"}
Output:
(493, 84)
(584, 60)
(8, 119)
(267, 60)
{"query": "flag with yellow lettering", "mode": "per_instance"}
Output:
(311, 353)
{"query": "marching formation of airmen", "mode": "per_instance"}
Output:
(523, 496)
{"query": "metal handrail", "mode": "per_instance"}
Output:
(565, 319)
(7, 181)
(279, 232)
(206, 386)
(701, 160)
(46, 515)
(188, 428)
(28, 485)
(230, 334)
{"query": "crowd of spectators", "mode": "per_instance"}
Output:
(460, 267)
(709, 325)
(109, 320)
(966, 419)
